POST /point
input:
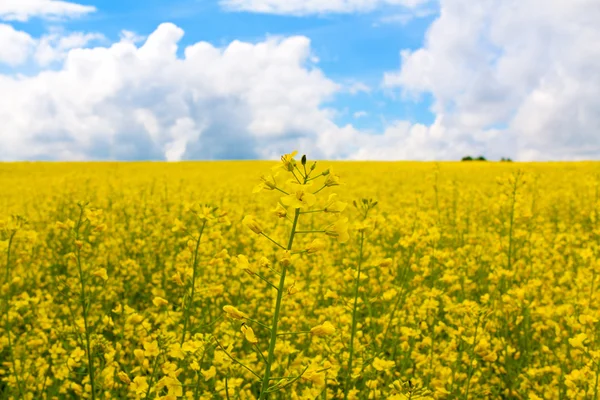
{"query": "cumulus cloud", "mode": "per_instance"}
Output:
(128, 102)
(18, 47)
(308, 7)
(23, 10)
(519, 77)
(54, 47)
(15, 46)
(405, 17)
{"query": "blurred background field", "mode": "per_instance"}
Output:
(479, 281)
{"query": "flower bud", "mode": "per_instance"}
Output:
(251, 223)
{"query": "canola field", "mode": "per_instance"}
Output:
(290, 280)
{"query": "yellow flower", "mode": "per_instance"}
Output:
(234, 313)
(123, 377)
(151, 349)
(159, 301)
(68, 224)
(264, 262)
(139, 385)
(586, 319)
(249, 334)
(287, 162)
(324, 329)
(333, 205)
(265, 184)
(382, 365)
(244, 264)
(385, 263)
(253, 224)
(314, 376)
(178, 226)
(285, 258)
(279, 211)
(389, 294)
(332, 179)
(172, 384)
(339, 230)
(176, 352)
(300, 197)
(101, 273)
(578, 341)
(315, 246)
(177, 279)
(209, 373)
(204, 212)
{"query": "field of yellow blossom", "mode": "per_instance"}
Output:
(296, 280)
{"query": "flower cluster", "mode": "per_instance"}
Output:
(173, 281)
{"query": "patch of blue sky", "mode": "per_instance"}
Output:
(351, 48)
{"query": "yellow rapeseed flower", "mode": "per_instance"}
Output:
(159, 301)
(253, 224)
(234, 313)
(101, 273)
(324, 329)
(249, 334)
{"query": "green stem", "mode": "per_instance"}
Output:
(226, 388)
(354, 321)
(154, 365)
(277, 244)
(198, 375)
(190, 301)
(271, 355)
(470, 373)
(293, 333)
(84, 307)
(7, 308)
(596, 384)
(293, 173)
(265, 280)
(592, 289)
(282, 191)
(324, 186)
(303, 175)
(260, 353)
(236, 360)
(277, 388)
(314, 177)
(258, 323)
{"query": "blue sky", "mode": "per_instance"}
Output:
(351, 48)
(374, 79)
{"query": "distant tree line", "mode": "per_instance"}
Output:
(482, 158)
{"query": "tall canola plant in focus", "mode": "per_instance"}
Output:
(299, 187)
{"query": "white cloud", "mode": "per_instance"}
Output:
(15, 46)
(308, 7)
(358, 87)
(360, 114)
(54, 47)
(18, 47)
(129, 102)
(523, 75)
(404, 18)
(132, 37)
(23, 10)
(514, 79)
